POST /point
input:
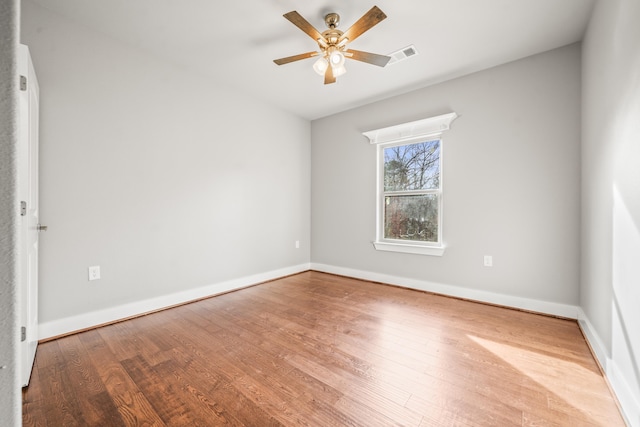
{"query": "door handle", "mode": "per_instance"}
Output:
(42, 227)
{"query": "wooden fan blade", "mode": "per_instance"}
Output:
(294, 58)
(369, 58)
(373, 17)
(296, 19)
(328, 76)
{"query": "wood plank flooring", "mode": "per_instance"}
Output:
(321, 350)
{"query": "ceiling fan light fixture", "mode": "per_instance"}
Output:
(338, 70)
(320, 66)
(336, 58)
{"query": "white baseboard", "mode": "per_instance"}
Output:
(629, 402)
(597, 346)
(538, 306)
(87, 320)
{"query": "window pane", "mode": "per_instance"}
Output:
(412, 167)
(411, 217)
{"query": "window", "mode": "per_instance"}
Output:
(409, 213)
(411, 192)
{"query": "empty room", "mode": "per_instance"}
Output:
(278, 213)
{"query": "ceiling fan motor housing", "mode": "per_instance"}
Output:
(332, 35)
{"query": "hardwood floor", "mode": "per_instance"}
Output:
(320, 350)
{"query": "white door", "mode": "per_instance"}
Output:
(29, 215)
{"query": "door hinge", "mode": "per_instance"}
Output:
(23, 208)
(23, 333)
(23, 83)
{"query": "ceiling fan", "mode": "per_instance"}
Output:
(333, 43)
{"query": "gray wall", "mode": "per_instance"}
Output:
(610, 279)
(511, 180)
(162, 177)
(10, 397)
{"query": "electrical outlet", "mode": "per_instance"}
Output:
(94, 272)
(297, 244)
(488, 261)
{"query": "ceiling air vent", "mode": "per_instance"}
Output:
(402, 54)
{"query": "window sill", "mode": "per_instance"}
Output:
(409, 248)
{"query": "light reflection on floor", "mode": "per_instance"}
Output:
(581, 385)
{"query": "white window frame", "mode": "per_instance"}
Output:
(424, 130)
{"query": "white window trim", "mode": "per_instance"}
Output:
(406, 133)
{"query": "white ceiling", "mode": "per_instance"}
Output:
(236, 42)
